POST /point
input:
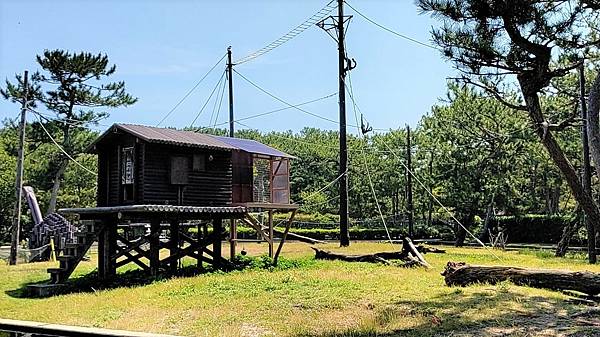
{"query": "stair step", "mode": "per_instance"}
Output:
(56, 270)
(66, 257)
(84, 234)
(73, 245)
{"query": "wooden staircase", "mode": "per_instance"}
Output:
(74, 252)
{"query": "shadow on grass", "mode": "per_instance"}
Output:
(485, 313)
(90, 283)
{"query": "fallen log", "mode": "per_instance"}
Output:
(424, 250)
(409, 247)
(462, 274)
(327, 255)
(410, 255)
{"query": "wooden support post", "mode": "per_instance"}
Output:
(174, 244)
(217, 230)
(270, 234)
(285, 233)
(107, 241)
(199, 236)
(232, 239)
(154, 247)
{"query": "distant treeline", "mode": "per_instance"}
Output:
(475, 155)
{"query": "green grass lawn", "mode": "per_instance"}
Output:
(306, 297)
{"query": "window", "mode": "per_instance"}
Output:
(199, 163)
(180, 167)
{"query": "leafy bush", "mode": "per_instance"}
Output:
(535, 228)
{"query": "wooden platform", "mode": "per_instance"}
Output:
(165, 212)
(115, 249)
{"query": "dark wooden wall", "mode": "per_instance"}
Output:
(109, 173)
(242, 176)
(210, 187)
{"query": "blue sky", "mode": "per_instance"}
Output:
(162, 48)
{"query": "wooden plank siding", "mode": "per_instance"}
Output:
(114, 176)
(211, 187)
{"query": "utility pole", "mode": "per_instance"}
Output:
(344, 228)
(338, 24)
(587, 173)
(409, 189)
(230, 78)
(19, 176)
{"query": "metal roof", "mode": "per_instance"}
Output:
(154, 208)
(191, 138)
(252, 146)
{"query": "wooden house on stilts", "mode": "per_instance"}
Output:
(165, 178)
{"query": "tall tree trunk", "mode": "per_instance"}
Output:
(568, 231)
(593, 124)
(534, 108)
(56, 186)
(461, 233)
(485, 232)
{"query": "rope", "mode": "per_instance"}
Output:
(190, 91)
(220, 102)
(284, 102)
(208, 99)
(390, 30)
(271, 111)
(318, 16)
(365, 161)
(61, 148)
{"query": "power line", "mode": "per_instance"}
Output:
(284, 102)
(208, 99)
(318, 16)
(425, 187)
(218, 110)
(390, 30)
(366, 166)
(190, 91)
(62, 149)
(273, 111)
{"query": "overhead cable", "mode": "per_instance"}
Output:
(208, 99)
(318, 16)
(62, 149)
(406, 37)
(284, 102)
(190, 91)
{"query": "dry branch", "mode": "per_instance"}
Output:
(462, 274)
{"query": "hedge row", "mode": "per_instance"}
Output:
(535, 228)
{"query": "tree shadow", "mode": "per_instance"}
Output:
(90, 283)
(457, 314)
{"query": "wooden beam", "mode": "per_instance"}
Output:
(174, 244)
(232, 239)
(131, 246)
(154, 247)
(217, 230)
(270, 214)
(284, 236)
(106, 247)
(132, 258)
(202, 236)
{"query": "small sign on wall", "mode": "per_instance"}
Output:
(127, 174)
(180, 168)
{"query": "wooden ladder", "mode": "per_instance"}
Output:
(74, 252)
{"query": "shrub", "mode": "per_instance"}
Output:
(534, 228)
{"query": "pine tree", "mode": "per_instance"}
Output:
(72, 87)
